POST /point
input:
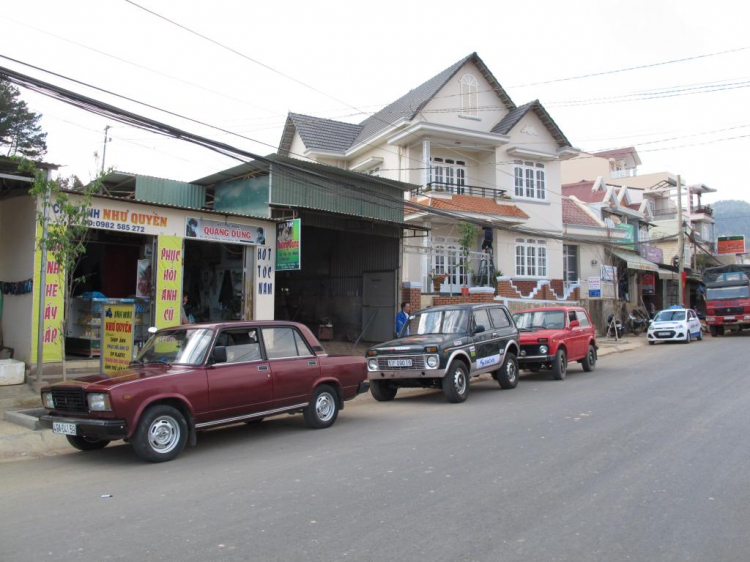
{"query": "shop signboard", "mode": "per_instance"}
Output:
(732, 245)
(289, 245)
(118, 323)
(233, 233)
(168, 281)
(595, 287)
(653, 254)
(54, 303)
(628, 240)
(648, 283)
(608, 273)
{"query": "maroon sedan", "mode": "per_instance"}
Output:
(197, 377)
(553, 337)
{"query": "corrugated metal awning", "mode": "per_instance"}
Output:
(635, 261)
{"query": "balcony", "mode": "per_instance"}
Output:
(630, 173)
(454, 189)
(705, 209)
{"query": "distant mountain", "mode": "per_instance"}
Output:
(732, 218)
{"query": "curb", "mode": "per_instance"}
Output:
(25, 418)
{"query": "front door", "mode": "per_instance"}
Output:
(577, 339)
(243, 384)
(503, 329)
(294, 367)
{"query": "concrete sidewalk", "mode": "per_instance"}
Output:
(18, 442)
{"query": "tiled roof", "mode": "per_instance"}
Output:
(572, 213)
(616, 153)
(582, 190)
(513, 117)
(325, 134)
(470, 204)
(406, 107)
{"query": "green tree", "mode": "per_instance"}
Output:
(62, 215)
(20, 131)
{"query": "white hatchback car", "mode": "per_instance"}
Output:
(675, 324)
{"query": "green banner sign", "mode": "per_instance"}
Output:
(289, 245)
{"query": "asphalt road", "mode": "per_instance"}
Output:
(645, 459)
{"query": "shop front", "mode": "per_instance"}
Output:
(173, 265)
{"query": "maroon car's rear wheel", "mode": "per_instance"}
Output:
(323, 408)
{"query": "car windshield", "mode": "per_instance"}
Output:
(439, 322)
(540, 320)
(728, 293)
(187, 346)
(670, 316)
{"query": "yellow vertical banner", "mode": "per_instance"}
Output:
(54, 307)
(168, 281)
(117, 337)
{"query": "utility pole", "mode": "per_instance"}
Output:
(681, 234)
(104, 151)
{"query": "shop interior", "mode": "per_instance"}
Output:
(115, 266)
(213, 281)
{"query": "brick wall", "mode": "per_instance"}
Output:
(413, 297)
(462, 299)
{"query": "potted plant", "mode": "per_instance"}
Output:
(437, 280)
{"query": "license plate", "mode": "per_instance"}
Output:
(662, 333)
(399, 363)
(64, 428)
(730, 318)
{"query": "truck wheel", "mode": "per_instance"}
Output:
(161, 434)
(560, 365)
(589, 362)
(83, 443)
(699, 337)
(323, 409)
(456, 382)
(383, 391)
(714, 331)
(507, 375)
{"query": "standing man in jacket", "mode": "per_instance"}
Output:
(402, 318)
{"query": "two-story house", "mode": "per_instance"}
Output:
(476, 156)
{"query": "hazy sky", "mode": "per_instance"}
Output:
(367, 55)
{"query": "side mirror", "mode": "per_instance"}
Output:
(574, 323)
(479, 329)
(220, 354)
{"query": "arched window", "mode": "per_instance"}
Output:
(469, 88)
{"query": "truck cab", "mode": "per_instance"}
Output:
(727, 298)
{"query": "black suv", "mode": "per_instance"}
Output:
(443, 347)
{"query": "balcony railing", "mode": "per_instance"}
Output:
(455, 189)
(632, 172)
(705, 209)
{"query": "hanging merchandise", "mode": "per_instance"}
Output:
(16, 287)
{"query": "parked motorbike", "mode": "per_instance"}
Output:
(638, 321)
(614, 327)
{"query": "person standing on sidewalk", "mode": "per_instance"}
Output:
(402, 318)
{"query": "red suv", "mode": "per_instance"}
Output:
(553, 337)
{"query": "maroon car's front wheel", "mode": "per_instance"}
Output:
(161, 434)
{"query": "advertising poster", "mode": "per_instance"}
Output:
(54, 307)
(732, 245)
(118, 321)
(143, 282)
(204, 229)
(595, 287)
(648, 283)
(288, 245)
(168, 281)
(608, 273)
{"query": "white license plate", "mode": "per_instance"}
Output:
(730, 318)
(399, 363)
(64, 428)
(662, 333)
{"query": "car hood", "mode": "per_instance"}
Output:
(532, 337)
(411, 344)
(109, 380)
(669, 324)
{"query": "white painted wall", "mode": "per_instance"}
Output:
(17, 227)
